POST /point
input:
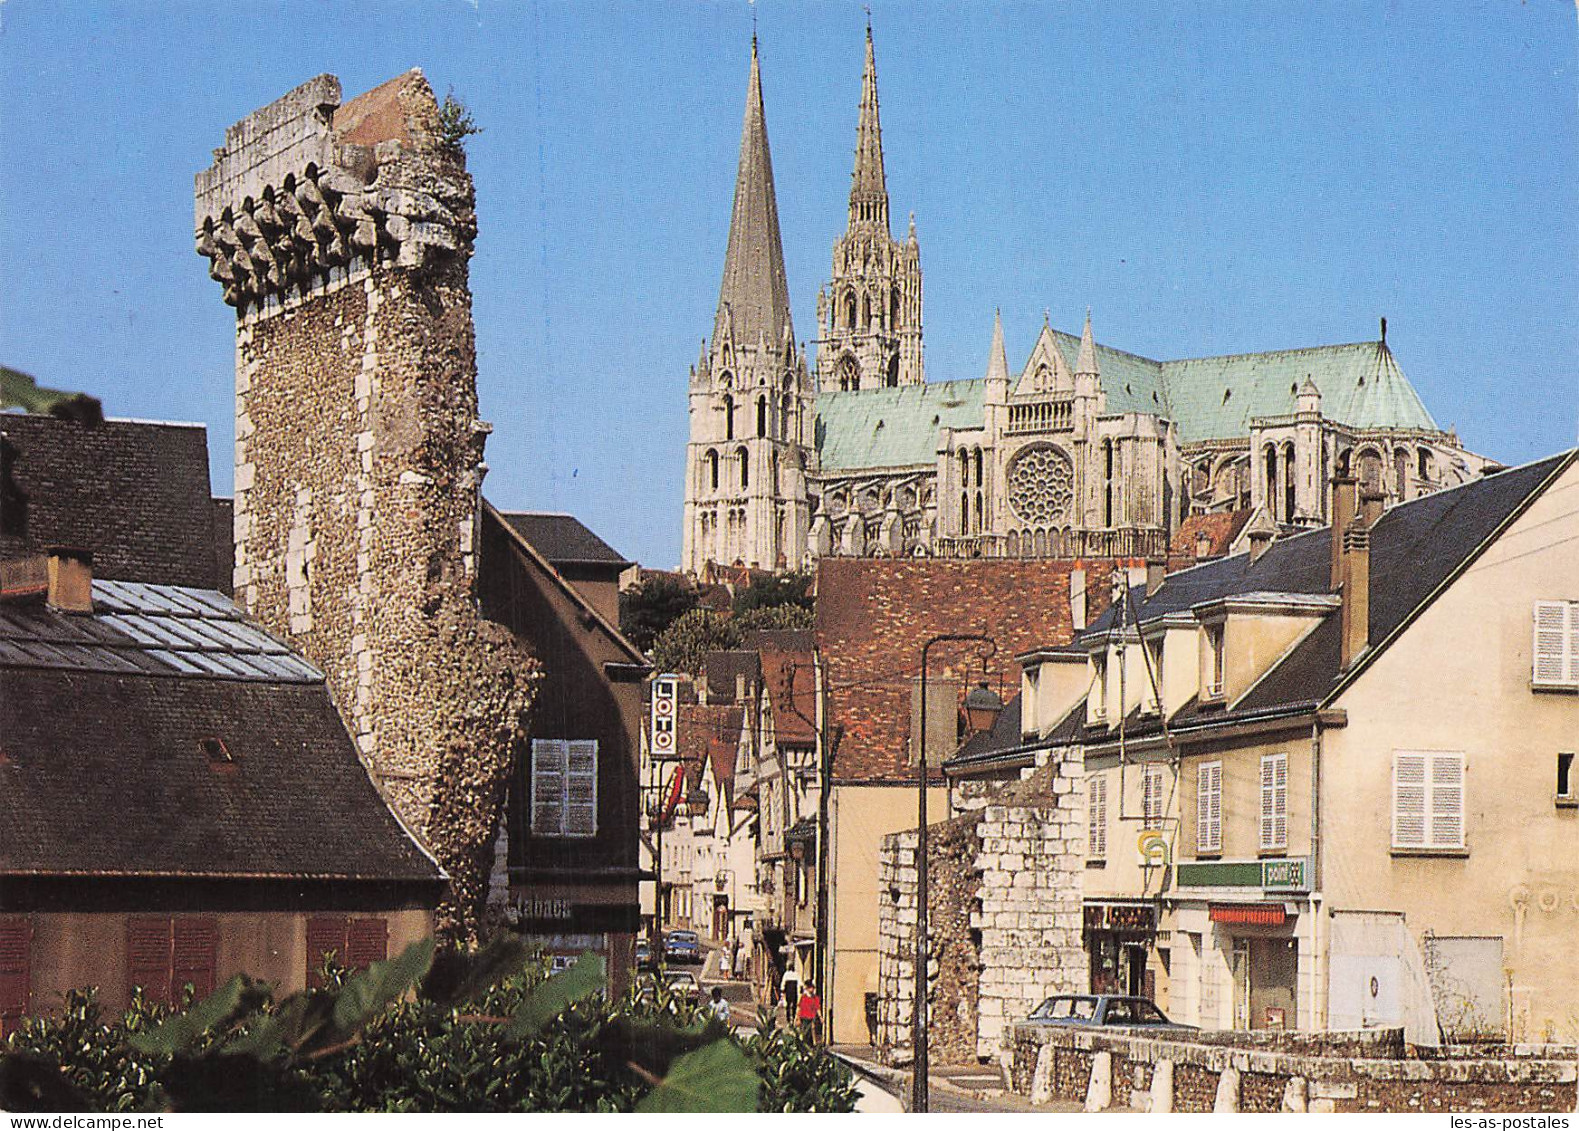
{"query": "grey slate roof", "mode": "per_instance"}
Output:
(103, 770)
(563, 539)
(1415, 547)
(134, 493)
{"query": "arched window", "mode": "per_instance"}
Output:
(745, 468)
(978, 524)
(849, 309)
(729, 417)
(1107, 483)
(1401, 471)
(1423, 467)
(849, 373)
(866, 311)
(1371, 470)
(1344, 463)
(1271, 483)
(893, 311)
(977, 460)
(1288, 482)
(712, 469)
(773, 471)
(892, 380)
(964, 469)
(762, 416)
(964, 512)
(1012, 544)
(787, 418)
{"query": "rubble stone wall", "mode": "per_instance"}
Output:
(1004, 912)
(1236, 1072)
(341, 234)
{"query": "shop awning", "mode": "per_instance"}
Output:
(1249, 914)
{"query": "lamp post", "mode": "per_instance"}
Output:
(919, 1095)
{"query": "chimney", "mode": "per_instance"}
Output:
(70, 580)
(740, 687)
(1259, 541)
(1203, 545)
(1371, 502)
(1344, 493)
(1155, 572)
(1356, 594)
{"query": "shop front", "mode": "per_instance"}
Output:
(1121, 941)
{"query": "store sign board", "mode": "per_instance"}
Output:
(1282, 874)
(665, 693)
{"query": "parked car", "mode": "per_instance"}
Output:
(644, 959)
(682, 946)
(1101, 1011)
(684, 982)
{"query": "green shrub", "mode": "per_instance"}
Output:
(486, 1030)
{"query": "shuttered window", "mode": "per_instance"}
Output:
(1556, 644)
(164, 955)
(1151, 794)
(1209, 808)
(355, 943)
(1274, 801)
(564, 787)
(1097, 844)
(1428, 799)
(16, 971)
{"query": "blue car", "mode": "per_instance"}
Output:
(1102, 1011)
(682, 946)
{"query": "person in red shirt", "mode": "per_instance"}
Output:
(809, 1011)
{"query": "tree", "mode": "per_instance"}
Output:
(773, 592)
(456, 123)
(652, 606)
(686, 642)
(774, 618)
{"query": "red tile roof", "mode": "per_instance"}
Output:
(1221, 528)
(874, 616)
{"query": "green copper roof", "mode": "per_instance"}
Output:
(893, 427)
(1210, 398)
(1214, 398)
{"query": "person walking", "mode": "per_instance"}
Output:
(809, 1011)
(718, 1007)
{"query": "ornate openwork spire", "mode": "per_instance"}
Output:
(868, 185)
(754, 298)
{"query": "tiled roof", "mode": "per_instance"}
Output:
(787, 675)
(156, 630)
(874, 616)
(721, 670)
(134, 493)
(563, 539)
(106, 773)
(1414, 548)
(1220, 528)
(1210, 398)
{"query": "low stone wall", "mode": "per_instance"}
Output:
(1283, 1072)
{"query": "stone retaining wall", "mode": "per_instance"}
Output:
(1239, 1072)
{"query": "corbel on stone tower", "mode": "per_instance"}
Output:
(341, 234)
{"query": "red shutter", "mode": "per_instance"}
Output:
(195, 955)
(367, 942)
(324, 933)
(148, 957)
(16, 974)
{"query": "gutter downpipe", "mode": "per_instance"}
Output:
(1318, 927)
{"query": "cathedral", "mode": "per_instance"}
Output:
(1085, 451)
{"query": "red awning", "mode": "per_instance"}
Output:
(1252, 914)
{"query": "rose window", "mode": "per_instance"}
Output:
(1041, 486)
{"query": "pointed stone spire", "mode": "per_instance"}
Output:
(1086, 363)
(754, 297)
(868, 185)
(997, 359)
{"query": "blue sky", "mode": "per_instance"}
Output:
(1209, 177)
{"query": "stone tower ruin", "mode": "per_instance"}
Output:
(341, 234)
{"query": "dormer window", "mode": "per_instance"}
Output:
(1098, 688)
(1153, 658)
(1214, 661)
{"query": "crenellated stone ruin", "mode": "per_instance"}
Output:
(340, 234)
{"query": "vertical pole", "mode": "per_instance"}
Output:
(918, 1013)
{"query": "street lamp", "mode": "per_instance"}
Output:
(985, 704)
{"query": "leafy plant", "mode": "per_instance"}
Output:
(456, 123)
(686, 642)
(432, 1029)
(652, 606)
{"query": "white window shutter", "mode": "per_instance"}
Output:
(1556, 628)
(1266, 802)
(581, 788)
(1209, 808)
(1447, 800)
(549, 766)
(1097, 844)
(1409, 800)
(1280, 800)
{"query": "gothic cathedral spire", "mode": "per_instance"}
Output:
(869, 317)
(751, 404)
(753, 300)
(868, 185)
